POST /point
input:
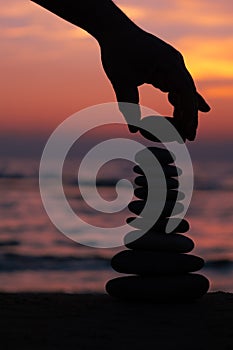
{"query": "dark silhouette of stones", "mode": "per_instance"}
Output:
(173, 242)
(155, 263)
(173, 288)
(162, 269)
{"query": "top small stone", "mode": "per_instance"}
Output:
(159, 129)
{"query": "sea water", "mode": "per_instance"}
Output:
(35, 256)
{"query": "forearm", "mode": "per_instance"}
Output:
(101, 18)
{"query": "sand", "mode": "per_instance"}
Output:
(71, 321)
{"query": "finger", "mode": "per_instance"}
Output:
(188, 112)
(128, 100)
(177, 121)
(202, 104)
(174, 122)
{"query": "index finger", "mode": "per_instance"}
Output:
(128, 101)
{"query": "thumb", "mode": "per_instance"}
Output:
(128, 101)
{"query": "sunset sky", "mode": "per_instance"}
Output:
(50, 69)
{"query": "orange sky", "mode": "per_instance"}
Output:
(51, 69)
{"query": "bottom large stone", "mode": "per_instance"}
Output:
(180, 288)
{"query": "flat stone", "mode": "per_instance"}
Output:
(170, 207)
(161, 154)
(138, 170)
(155, 241)
(160, 226)
(147, 122)
(142, 193)
(168, 289)
(142, 181)
(155, 263)
(169, 170)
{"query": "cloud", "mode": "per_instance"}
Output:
(219, 91)
(134, 12)
(207, 13)
(15, 9)
(45, 33)
(24, 19)
(174, 19)
(30, 34)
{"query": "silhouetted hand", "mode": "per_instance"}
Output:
(132, 57)
(137, 57)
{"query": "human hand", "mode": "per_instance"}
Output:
(137, 57)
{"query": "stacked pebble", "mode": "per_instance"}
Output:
(160, 268)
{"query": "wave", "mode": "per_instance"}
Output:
(10, 262)
(68, 180)
(111, 182)
(208, 185)
(13, 176)
(9, 243)
(219, 264)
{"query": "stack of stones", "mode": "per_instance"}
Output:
(157, 263)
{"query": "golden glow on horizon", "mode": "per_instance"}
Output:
(208, 58)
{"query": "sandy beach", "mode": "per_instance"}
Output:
(72, 321)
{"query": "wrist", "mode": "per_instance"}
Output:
(108, 22)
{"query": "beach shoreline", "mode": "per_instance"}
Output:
(87, 321)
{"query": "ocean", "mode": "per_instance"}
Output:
(35, 256)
